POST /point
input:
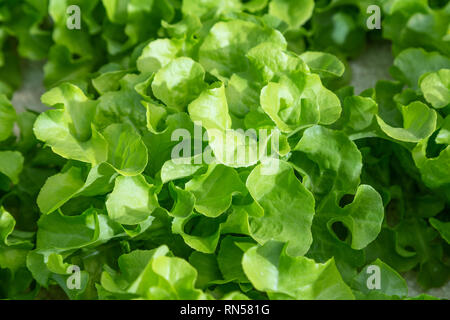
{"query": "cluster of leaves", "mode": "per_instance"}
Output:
(359, 180)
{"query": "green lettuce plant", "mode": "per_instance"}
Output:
(90, 189)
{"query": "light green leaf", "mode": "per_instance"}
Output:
(152, 274)
(198, 231)
(52, 127)
(211, 109)
(58, 233)
(122, 106)
(126, 150)
(179, 82)
(363, 217)
(7, 223)
(271, 60)
(132, 200)
(178, 169)
(324, 64)
(100, 180)
(391, 283)
(223, 50)
(299, 100)
(166, 277)
(294, 12)
(335, 157)
(211, 200)
(288, 207)
(155, 115)
(109, 79)
(274, 98)
(234, 148)
(60, 188)
(419, 122)
(209, 8)
(434, 171)
(436, 88)
(184, 201)
(361, 112)
(11, 164)
(412, 63)
(157, 54)
(176, 142)
(272, 270)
